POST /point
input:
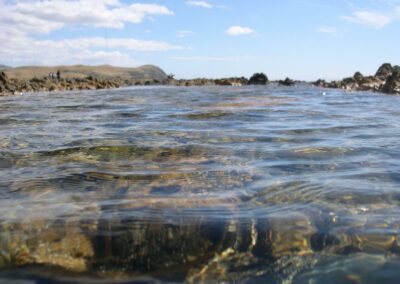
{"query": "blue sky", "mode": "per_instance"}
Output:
(302, 39)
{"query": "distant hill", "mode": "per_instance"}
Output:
(4, 67)
(83, 71)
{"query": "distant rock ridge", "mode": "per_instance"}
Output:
(79, 77)
(385, 80)
(149, 72)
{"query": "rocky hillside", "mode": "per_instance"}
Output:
(21, 80)
(385, 80)
(146, 72)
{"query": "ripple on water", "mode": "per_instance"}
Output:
(258, 184)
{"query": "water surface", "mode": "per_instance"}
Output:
(246, 184)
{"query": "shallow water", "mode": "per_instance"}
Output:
(246, 184)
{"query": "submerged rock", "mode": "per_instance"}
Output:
(38, 243)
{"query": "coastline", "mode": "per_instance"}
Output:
(386, 80)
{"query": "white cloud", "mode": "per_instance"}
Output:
(201, 4)
(21, 21)
(184, 33)
(238, 30)
(47, 16)
(22, 50)
(370, 18)
(327, 30)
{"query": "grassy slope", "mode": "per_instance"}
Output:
(82, 71)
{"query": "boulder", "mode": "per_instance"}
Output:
(384, 71)
(287, 82)
(258, 79)
(392, 85)
(320, 83)
(358, 76)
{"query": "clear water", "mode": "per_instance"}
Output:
(236, 184)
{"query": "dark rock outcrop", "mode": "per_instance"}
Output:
(392, 85)
(234, 81)
(386, 80)
(258, 79)
(287, 82)
(231, 81)
(320, 83)
(358, 76)
(384, 71)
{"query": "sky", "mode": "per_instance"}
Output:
(302, 39)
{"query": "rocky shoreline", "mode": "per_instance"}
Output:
(386, 80)
(13, 86)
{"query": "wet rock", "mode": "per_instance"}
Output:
(370, 83)
(157, 246)
(284, 236)
(349, 84)
(375, 243)
(37, 243)
(384, 71)
(357, 268)
(392, 85)
(258, 79)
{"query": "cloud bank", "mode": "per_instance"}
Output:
(25, 23)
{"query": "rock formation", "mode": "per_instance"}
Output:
(386, 80)
(392, 85)
(80, 77)
(233, 81)
(384, 71)
(258, 79)
(287, 82)
(15, 86)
